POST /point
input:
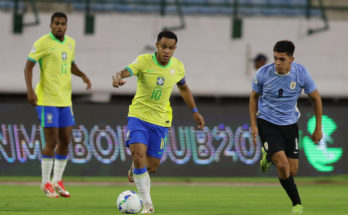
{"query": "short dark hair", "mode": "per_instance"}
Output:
(285, 46)
(58, 14)
(260, 57)
(167, 34)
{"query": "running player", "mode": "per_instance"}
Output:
(150, 113)
(274, 114)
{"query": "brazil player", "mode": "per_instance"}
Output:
(55, 53)
(274, 114)
(150, 113)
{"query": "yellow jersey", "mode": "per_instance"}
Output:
(154, 87)
(55, 58)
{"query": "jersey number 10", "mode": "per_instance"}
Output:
(156, 94)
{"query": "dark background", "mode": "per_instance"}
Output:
(219, 113)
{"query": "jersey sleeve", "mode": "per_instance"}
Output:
(257, 84)
(134, 68)
(73, 51)
(182, 74)
(182, 70)
(37, 52)
(307, 82)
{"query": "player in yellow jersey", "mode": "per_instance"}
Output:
(150, 113)
(55, 53)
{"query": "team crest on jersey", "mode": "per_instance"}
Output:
(292, 85)
(160, 81)
(172, 71)
(64, 56)
(33, 50)
(255, 80)
(49, 117)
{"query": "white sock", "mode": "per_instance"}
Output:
(144, 191)
(46, 169)
(148, 183)
(59, 167)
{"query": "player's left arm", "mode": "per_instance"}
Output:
(318, 109)
(186, 94)
(76, 71)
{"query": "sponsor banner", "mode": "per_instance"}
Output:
(223, 148)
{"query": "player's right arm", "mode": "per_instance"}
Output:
(28, 74)
(132, 69)
(253, 106)
(117, 79)
(257, 88)
(38, 51)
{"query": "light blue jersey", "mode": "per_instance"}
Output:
(279, 93)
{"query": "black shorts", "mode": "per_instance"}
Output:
(277, 138)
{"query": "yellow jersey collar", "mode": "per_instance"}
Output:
(54, 38)
(155, 60)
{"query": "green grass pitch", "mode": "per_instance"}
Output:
(176, 198)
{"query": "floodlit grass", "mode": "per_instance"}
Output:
(318, 179)
(318, 199)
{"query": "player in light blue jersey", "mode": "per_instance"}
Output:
(274, 114)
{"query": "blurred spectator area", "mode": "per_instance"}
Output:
(193, 7)
(216, 63)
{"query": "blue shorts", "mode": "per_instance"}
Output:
(153, 136)
(55, 117)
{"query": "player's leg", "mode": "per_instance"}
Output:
(48, 120)
(275, 140)
(285, 178)
(141, 175)
(51, 139)
(293, 166)
(297, 205)
(60, 161)
(281, 162)
(265, 129)
(136, 133)
(152, 164)
(292, 153)
(131, 173)
(66, 121)
(137, 141)
(157, 143)
(265, 163)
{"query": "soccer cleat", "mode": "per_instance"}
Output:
(264, 163)
(148, 209)
(48, 190)
(297, 209)
(59, 187)
(131, 174)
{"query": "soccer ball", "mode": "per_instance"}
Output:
(129, 202)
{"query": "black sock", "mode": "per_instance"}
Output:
(291, 189)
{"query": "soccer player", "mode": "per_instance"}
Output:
(55, 53)
(274, 114)
(259, 61)
(150, 113)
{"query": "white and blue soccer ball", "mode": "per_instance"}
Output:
(129, 202)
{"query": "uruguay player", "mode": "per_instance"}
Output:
(274, 114)
(55, 53)
(150, 113)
